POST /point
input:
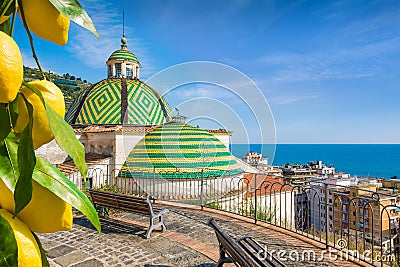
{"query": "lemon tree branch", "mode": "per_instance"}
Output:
(31, 41)
(13, 19)
(5, 7)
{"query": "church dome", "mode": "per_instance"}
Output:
(121, 98)
(123, 54)
(176, 150)
(119, 101)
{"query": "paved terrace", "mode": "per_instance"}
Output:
(188, 241)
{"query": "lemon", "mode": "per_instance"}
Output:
(11, 70)
(41, 133)
(46, 21)
(46, 213)
(28, 249)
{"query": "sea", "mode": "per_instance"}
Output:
(376, 160)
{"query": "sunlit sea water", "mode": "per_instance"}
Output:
(361, 160)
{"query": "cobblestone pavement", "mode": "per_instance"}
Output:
(188, 241)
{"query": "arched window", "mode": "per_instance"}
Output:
(118, 69)
(129, 71)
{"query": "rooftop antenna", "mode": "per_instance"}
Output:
(123, 23)
(123, 40)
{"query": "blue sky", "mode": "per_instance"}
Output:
(330, 70)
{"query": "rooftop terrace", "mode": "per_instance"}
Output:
(188, 241)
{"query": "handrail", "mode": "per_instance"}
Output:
(321, 211)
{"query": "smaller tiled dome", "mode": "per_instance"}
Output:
(123, 63)
(123, 54)
(177, 150)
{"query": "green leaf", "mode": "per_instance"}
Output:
(26, 164)
(46, 175)
(45, 263)
(8, 244)
(13, 110)
(66, 139)
(7, 111)
(9, 171)
(50, 177)
(64, 134)
(74, 11)
(5, 125)
(6, 27)
(7, 4)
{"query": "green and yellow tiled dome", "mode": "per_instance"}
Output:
(177, 150)
(107, 102)
(123, 54)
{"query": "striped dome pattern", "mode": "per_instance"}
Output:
(123, 54)
(103, 104)
(177, 150)
(74, 107)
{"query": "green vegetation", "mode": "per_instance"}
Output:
(71, 86)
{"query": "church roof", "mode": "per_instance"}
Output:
(123, 54)
(119, 101)
(176, 150)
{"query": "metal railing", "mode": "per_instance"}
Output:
(357, 222)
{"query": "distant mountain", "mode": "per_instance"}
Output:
(70, 85)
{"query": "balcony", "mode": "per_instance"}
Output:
(273, 216)
(188, 240)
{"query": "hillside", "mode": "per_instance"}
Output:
(70, 85)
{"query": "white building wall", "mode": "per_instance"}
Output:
(100, 143)
(280, 207)
(317, 200)
(224, 138)
(52, 153)
(180, 189)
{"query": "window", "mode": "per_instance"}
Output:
(118, 69)
(128, 72)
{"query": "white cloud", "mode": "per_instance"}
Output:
(346, 63)
(362, 47)
(28, 60)
(107, 19)
(290, 98)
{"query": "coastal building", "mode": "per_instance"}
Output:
(313, 170)
(367, 210)
(255, 159)
(320, 214)
(392, 185)
(298, 172)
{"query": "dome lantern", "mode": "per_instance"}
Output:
(123, 63)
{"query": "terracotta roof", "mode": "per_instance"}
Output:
(224, 131)
(266, 184)
(113, 128)
(68, 167)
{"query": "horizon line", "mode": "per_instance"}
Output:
(316, 144)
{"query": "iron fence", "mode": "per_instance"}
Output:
(356, 221)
